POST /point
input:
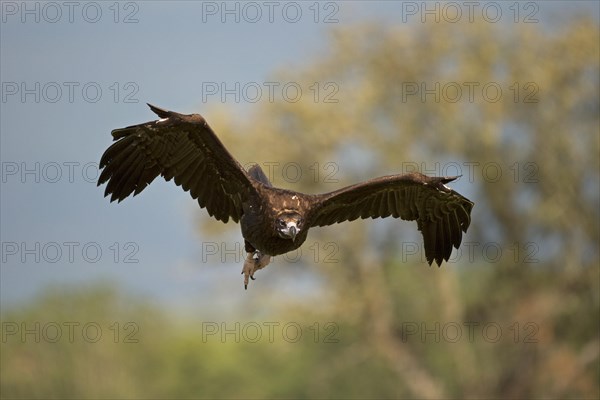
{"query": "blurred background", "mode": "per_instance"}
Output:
(144, 299)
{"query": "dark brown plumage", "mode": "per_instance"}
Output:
(273, 220)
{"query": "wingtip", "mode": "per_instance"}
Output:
(159, 111)
(448, 179)
(437, 257)
(120, 133)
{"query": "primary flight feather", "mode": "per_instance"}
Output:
(273, 221)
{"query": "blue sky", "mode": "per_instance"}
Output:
(70, 76)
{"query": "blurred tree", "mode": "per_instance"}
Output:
(516, 111)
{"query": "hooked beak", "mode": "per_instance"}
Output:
(292, 231)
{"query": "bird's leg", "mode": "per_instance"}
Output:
(254, 261)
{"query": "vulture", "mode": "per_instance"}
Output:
(273, 221)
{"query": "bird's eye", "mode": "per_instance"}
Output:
(281, 222)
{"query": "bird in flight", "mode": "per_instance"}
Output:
(273, 221)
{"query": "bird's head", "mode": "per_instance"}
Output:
(288, 224)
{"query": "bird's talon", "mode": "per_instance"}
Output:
(254, 261)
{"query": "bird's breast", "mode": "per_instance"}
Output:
(258, 228)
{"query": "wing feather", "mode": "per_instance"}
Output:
(448, 243)
(150, 173)
(441, 213)
(179, 147)
(132, 169)
(456, 229)
(382, 208)
(197, 188)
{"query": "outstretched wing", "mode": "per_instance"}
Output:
(441, 213)
(177, 146)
